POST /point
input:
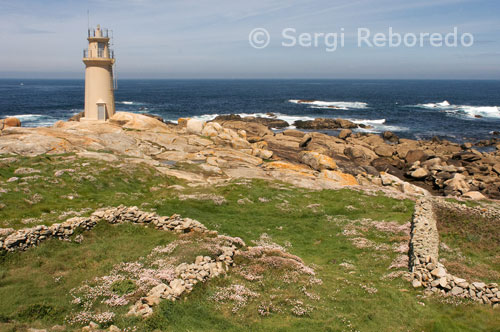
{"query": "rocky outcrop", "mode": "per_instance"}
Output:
(139, 122)
(389, 180)
(317, 160)
(255, 131)
(321, 123)
(234, 146)
(77, 116)
(271, 123)
(9, 122)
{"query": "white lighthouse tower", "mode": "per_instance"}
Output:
(99, 86)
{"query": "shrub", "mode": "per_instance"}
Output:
(123, 287)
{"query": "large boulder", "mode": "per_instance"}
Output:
(496, 168)
(419, 173)
(345, 133)
(321, 123)
(372, 140)
(157, 117)
(294, 133)
(194, 126)
(384, 150)
(227, 117)
(10, 122)
(415, 155)
(252, 129)
(403, 186)
(475, 195)
(138, 122)
(360, 154)
(457, 185)
(339, 178)
(346, 124)
(231, 138)
(317, 160)
(211, 129)
(390, 136)
(77, 116)
(267, 122)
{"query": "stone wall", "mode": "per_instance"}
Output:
(11, 240)
(424, 241)
(187, 275)
(426, 270)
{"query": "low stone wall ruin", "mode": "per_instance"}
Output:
(187, 275)
(11, 240)
(426, 270)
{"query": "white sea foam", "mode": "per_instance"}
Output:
(342, 105)
(41, 120)
(137, 103)
(465, 110)
(369, 122)
(377, 126)
(288, 118)
(26, 117)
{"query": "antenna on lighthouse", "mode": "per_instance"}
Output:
(115, 78)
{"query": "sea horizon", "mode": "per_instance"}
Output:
(457, 110)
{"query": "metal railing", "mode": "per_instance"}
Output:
(103, 54)
(104, 33)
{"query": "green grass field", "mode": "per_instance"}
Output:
(473, 244)
(339, 234)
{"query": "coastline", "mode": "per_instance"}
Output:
(437, 167)
(411, 109)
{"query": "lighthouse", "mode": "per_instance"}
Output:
(99, 85)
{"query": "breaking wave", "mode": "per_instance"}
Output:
(137, 103)
(35, 120)
(373, 126)
(377, 126)
(333, 105)
(465, 110)
(288, 118)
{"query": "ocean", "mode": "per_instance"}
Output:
(453, 110)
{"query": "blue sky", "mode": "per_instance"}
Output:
(209, 38)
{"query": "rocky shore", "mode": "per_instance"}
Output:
(234, 147)
(439, 166)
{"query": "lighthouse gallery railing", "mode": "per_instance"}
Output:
(109, 54)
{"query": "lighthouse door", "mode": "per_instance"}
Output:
(101, 112)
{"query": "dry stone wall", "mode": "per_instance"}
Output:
(424, 234)
(11, 240)
(426, 270)
(187, 275)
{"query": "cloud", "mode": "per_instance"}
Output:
(161, 37)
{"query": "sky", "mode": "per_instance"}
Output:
(210, 38)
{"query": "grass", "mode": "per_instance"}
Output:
(473, 242)
(309, 223)
(93, 184)
(35, 285)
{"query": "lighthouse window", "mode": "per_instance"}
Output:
(100, 50)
